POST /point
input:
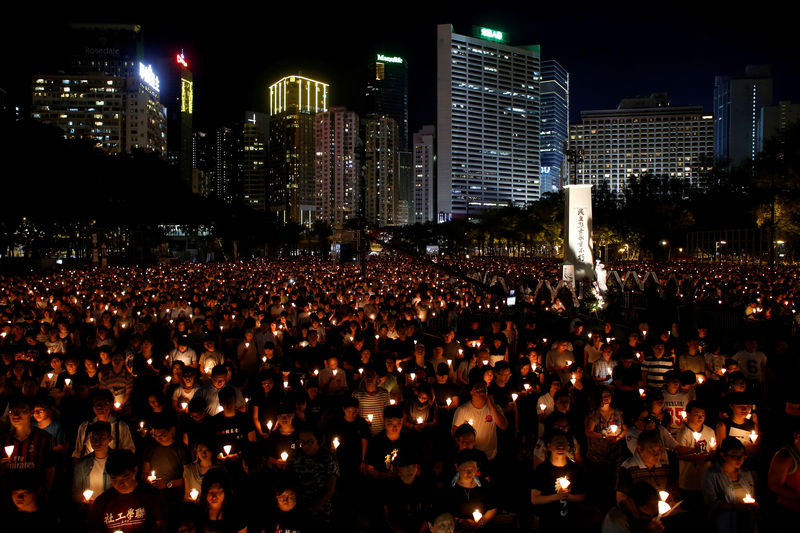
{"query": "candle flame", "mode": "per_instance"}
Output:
(336, 442)
(194, 493)
(284, 456)
(227, 449)
(87, 494)
(477, 515)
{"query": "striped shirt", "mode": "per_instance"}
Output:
(654, 370)
(372, 404)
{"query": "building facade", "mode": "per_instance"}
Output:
(488, 120)
(293, 102)
(737, 106)
(774, 120)
(254, 160)
(424, 175)
(338, 166)
(381, 163)
(644, 136)
(177, 94)
(117, 114)
(555, 124)
(387, 92)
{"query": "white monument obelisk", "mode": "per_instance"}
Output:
(578, 263)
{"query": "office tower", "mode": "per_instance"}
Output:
(424, 205)
(111, 49)
(555, 124)
(488, 118)
(254, 160)
(225, 180)
(381, 162)
(202, 163)
(293, 102)
(117, 114)
(643, 136)
(177, 94)
(405, 188)
(774, 120)
(737, 104)
(338, 166)
(387, 92)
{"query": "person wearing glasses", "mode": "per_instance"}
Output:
(729, 490)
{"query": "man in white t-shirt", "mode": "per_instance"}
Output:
(482, 414)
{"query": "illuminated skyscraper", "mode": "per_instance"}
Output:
(488, 119)
(643, 136)
(387, 92)
(293, 102)
(555, 123)
(177, 94)
(254, 160)
(424, 177)
(381, 162)
(111, 49)
(737, 107)
(338, 166)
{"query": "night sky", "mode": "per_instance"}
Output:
(611, 50)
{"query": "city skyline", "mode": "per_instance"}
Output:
(678, 52)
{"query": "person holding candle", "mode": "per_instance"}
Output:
(647, 464)
(372, 400)
(121, 438)
(128, 505)
(739, 425)
(728, 490)
(284, 438)
(231, 427)
(27, 448)
(194, 472)
(640, 513)
(557, 487)
(167, 458)
(90, 471)
(604, 439)
(186, 391)
(692, 466)
(486, 418)
(469, 498)
(317, 472)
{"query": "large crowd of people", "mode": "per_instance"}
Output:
(299, 395)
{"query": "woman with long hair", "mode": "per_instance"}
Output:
(729, 490)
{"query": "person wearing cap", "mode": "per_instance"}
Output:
(182, 352)
(485, 417)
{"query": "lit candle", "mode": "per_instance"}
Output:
(613, 429)
(285, 384)
(316, 372)
(141, 424)
(700, 380)
(477, 515)
(49, 375)
(420, 420)
(450, 362)
(563, 482)
(264, 358)
(753, 436)
(117, 405)
(392, 401)
(748, 499)
(470, 422)
(336, 442)
(485, 362)
(335, 371)
(696, 436)
(370, 417)
(641, 393)
(284, 456)
(150, 362)
(514, 396)
(663, 495)
(227, 449)
(194, 493)
(360, 370)
(449, 401)
(573, 379)
(184, 405)
(527, 387)
(569, 363)
(713, 442)
(269, 425)
(543, 407)
(683, 415)
(168, 378)
(413, 376)
(152, 476)
(67, 382)
(87, 495)
(663, 508)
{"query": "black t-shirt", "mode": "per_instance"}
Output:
(350, 435)
(231, 430)
(463, 502)
(277, 443)
(136, 512)
(381, 452)
(544, 480)
(407, 504)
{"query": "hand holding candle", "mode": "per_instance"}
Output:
(477, 515)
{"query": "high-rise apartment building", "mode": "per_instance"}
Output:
(254, 160)
(177, 94)
(555, 124)
(117, 114)
(737, 106)
(387, 92)
(424, 177)
(488, 120)
(381, 161)
(405, 188)
(202, 163)
(225, 180)
(293, 102)
(643, 136)
(338, 166)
